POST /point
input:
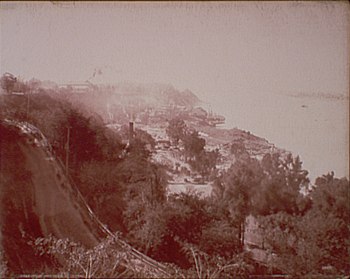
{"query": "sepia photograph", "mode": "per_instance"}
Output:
(174, 139)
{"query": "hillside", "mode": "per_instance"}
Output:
(124, 175)
(36, 193)
(151, 107)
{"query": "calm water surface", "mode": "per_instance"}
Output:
(316, 129)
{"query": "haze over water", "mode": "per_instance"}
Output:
(242, 57)
(316, 129)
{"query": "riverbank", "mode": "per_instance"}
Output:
(316, 129)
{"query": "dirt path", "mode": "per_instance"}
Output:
(58, 207)
(59, 214)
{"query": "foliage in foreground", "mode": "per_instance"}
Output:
(108, 260)
(105, 260)
(128, 192)
(317, 242)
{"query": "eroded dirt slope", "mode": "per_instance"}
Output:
(36, 201)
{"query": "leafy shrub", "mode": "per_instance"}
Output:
(106, 259)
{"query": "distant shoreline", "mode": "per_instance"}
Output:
(327, 96)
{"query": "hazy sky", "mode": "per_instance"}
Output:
(206, 47)
(231, 54)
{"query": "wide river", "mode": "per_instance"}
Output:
(315, 128)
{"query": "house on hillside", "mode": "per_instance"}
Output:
(78, 87)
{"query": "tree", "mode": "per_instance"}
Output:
(219, 238)
(8, 82)
(317, 242)
(331, 195)
(185, 216)
(176, 130)
(238, 148)
(101, 187)
(234, 191)
(330, 215)
(261, 188)
(193, 145)
(205, 162)
(281, 186)
(144, 185)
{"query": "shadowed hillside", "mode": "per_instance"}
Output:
(140, 180)
(36, 201)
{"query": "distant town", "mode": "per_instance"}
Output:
(139, 180)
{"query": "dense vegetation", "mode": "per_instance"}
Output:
(306, 227)
(201, 161)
